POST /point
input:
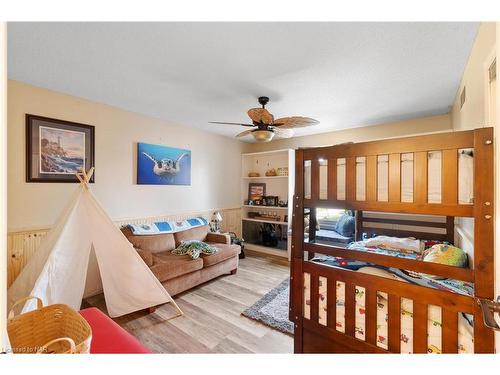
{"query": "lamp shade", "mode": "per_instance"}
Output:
(217, 216)
(263, 135)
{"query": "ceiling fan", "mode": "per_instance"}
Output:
(266, 127)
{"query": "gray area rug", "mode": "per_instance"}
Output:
(272, 309)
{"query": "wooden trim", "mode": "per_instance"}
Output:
(350, 179)
(395, 178)
(421, 143)
(359, 225)
(420, 319)
(394, 323)
(462, 210)
(371, 178)
(449, 331)
(484, 338)
(420, 176)
(464, 274)
(415, 223)
(355, 345)
(315, 179)
(332, 179)
(483, 208)
(296, 272)
(314, 297)
(449, 177)
(450, 229)
(331, 303)
(371, 315)
(350, 308)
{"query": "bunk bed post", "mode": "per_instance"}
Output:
(359, 225)
(450, 229)
(313, 224)
(483, 234)
(296, 275)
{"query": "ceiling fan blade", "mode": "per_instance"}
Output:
(230, 123)
(283, 133)
(260, 115)
(242, 134)
(295, 122)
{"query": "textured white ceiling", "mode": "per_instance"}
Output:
(343, 74)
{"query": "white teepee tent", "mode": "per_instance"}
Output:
(57, 272)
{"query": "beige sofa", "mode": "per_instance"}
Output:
(178, 273)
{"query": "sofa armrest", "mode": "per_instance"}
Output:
(218, 238)
(146, 255)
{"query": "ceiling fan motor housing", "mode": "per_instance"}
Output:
(263, 100)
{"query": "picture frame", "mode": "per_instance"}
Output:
(57, 149)
(256, 191)
(163, 165)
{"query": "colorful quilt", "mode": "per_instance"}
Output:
(163, 227)
(450, 285)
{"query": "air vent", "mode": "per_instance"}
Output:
(462, 98)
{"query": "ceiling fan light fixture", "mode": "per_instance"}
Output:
(263, 135)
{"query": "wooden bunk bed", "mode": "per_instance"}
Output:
(315, 336)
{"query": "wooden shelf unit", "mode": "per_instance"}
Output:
(281, 186)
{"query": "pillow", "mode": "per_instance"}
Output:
(446, 254)
(143, 229)
(346, 225)
(194, 248)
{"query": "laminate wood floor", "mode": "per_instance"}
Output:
(212, 321)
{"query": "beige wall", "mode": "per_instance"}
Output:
(396, 129)
(215, 174)
(472, 114)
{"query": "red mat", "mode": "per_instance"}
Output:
(108, 337)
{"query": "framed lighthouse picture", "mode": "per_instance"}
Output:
(57, 149)
(161, 165)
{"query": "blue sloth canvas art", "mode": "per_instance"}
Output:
(161, 165)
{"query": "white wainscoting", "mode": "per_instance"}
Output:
(21, 245)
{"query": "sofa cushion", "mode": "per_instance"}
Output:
(223, 252)
(147, 256)
(218, 237)
(155, 243)
(167, 265)
(198, 233)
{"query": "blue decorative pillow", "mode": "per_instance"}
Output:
(143, 229)
(346, 225)
(162, 227)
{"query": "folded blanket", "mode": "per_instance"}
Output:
(395, 243)
(163, 227)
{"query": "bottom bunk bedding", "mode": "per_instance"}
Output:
(434, 345)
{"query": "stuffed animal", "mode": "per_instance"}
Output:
(446, 254)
